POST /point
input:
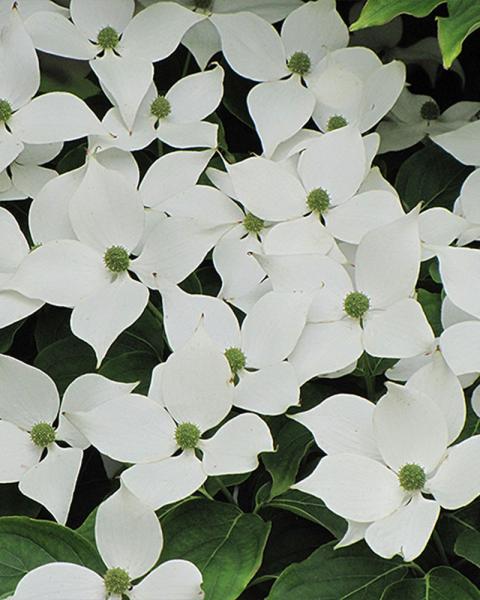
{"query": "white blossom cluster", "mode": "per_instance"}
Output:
(318, 260)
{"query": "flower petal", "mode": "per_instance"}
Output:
(128, 533)
(91, 17)
(460, 346)
(18, 452)
(199, 134)
(177, 580)
(51, 482)
(196, 96)
(354, 486)
(460, 273)
(236, 445)
(299, 236)
(10, 148)
(461, 143)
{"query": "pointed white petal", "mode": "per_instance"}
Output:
(18, 452)
(460, 273)
(52, 481)
(28, 395)
(91, 17)
(269, 391)
(177, 580)
(354, 486)
(382, 89)
(409, 429)
(128, 533)
(355, 532)
(457, 481)
(342, 423)
(30, 179)
(199, 134)
(203, 41)
(406, 531)
(160, 483)
(196, 96)
(236, 445)
(462, 143)
(300, 236)
(10, 148)
(460, 346)
(14, 306)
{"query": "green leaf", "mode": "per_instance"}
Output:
(441, 583)
(146, 335)
(7, 335)
(310, 508)
(378, 12)
(224, 543)
(468, 546)
(130, 367)
(431, 176)
(26, 544)
(355, 573)
(292, 443)
(432, 307)
(65, 360)
(463, 19)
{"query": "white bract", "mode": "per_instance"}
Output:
(382, 459)
(129, 539)
(53, 117)
(30, 454)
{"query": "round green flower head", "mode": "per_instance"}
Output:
(253, 224)
(356, 304)
(187, 436)
(5, 111)
(116, 259)
(412, 477)
(108, 38)
(203, 4)
(236, 359)
(117, 581)
(430, 111)
(42, 434)
(336, 122)
(160, 107)
(318, 201)
(299, 63)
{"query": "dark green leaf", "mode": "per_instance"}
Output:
(441, 583)
(225, 544)
(432, 306)
(463, 19)
(130, 367)
(378, 12)
(468, 546)
(7, 334)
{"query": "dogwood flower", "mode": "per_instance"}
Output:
(462, 143)
(279, 107)
(52, 117)
(129, 539)
(415, 116)
(27, 432)
(175, 118)
(120, 49)
(382, 459)
(256, 352)
(373, 311)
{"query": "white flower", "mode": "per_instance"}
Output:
(280, 107)
(256, 352)
(467, 207)
(382, 459)
(374, 312)
(189, 395)
(352, 86)
(53, 117)
(29, 405)
(462, 143)
(121, 49)
(415, 116)
(129, 540)
(175, 118)
(26, 8)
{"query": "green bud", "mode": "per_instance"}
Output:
(117, 581)
(108, 38)
(430, 111)
(116, 259)
(318, 201)
(6, 111)
(356, 304)
(253, 224)
(236, 359)
(412, 477)
(187, 436)
(160, 107)
(299, 63)
(42, 434)
(336, 122)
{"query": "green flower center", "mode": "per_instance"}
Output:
(42, 434)
(117, 581)
(356, 304)
(108, 38)
(253, 224)
(187, 436)
(318, 201)
(299, 63)
(5, 111)
(160, 107)
(236, 359)
(412, 477)
(430, 111)
(336, 122)
(116, 259)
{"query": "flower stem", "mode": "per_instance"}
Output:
(440, 549)
(225, 490)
